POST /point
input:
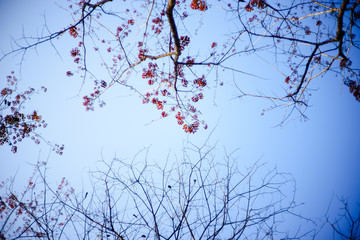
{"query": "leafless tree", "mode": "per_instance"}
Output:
(346, 225)
(197, 197)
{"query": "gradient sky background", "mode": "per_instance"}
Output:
(323, 153)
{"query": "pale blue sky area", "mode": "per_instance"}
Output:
(323, 153)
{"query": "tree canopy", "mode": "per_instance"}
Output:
(170, 54)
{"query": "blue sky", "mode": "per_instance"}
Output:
(321, 153)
